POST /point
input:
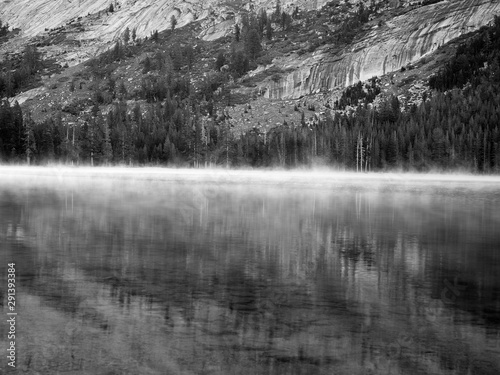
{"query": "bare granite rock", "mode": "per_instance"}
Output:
(408, 38)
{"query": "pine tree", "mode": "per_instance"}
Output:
(438, 147)
(154, 36)
(117, 51)
(29, 138)
(262, 20)
(111, 85)
(6, 129)
(18, 128)
(253, 45)
(286, 21)
(4, 29)
(188, 53)
(269, 30)
(146, 65)
(277, 12)
(220, 61)
(88, 140)
(239, 63)
(107, 150)
(46, 140)
(126, 36)
(31, 59)
(122, 90)
(177, 57)
(392, 150)
(237, 32)
(173, 22)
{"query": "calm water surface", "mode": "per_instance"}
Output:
(238, 275)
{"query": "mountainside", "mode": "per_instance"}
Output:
(145, 15)
(96, 27)
(80, 29)
(399, 41)
(87, 28)
(233, 82)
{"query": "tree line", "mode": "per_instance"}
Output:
(453, 130)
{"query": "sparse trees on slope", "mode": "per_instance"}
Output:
(126, 36)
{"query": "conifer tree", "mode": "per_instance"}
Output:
(126, 36)
(277, 11)
(107, 150)
(220, 61)
(173, 22)
(237, 32)
(269, 30)
(4, 29)
(29, 138)
(253, 45)
(438, 147)
(122, 90)
(262, 20)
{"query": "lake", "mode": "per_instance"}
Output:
(154, 271)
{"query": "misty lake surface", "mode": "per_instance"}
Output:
(231, 272)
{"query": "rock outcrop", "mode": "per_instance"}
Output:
(403, 40)
(34, 16)
(100, 28)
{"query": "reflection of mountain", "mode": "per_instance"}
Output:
(291, 277)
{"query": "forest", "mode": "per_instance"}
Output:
(177, 123)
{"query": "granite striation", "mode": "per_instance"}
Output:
(399, 42)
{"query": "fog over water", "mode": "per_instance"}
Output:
(182, 271)
(318, 177)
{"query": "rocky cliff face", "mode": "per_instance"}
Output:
(402, 40)
(98, 28)
(34, 16)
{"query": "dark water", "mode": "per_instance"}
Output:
(187, 277)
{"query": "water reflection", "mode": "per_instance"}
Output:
(163, 277)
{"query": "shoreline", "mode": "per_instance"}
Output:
(247, 175)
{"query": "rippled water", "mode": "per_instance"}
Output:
(227, 273)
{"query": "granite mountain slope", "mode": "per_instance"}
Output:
(401, 34)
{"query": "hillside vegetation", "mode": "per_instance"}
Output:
(174, 99)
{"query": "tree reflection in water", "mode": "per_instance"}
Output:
(170, 277)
